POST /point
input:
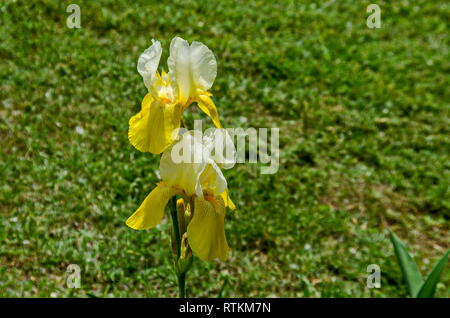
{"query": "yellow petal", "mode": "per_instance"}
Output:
(226, 198)
(153, 129)
(151, 211)
(207, 105)
(180, 206)
(206, 232)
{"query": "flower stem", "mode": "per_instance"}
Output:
(181, 276)
(182, 285)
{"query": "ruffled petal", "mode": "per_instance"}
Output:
(213, 179)
(203, 66)
(193, 68)
(206, 231)
(179, 67)
(148, 63)
(182, 164)
(221, 146)
(154, 128)
(151, 211)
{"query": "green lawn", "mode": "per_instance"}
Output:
(364, 142)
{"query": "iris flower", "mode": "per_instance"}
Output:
(199, 180)
(192, 70)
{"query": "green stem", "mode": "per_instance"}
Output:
(181, 277)
(182, 285)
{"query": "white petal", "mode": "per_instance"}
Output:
(203, 66)
(188, 164)
(221, 147)
(192, 67)
(213, 178)
(179, 67)
(148, 62)
(182, 164)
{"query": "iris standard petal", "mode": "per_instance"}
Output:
(151, 211)
(182, 164)
(193, 67)
(203, 66)
(148, 63)
(222, 147)
(213, 179)
(154, 128)
(206, 232)
(179, 67)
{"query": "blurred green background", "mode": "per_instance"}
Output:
(364, 144)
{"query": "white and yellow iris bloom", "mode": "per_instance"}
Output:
(192, 70)
(201, 183)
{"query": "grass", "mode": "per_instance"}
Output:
(364, 143)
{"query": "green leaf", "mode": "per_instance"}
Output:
(429, 287)
(409, 268)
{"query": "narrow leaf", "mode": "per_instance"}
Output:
(409, 268)
(429, 287)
